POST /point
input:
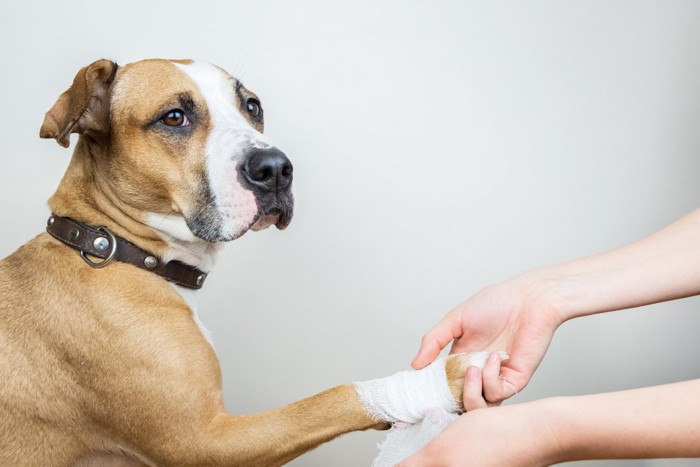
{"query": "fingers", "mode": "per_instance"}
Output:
(497, 386)
(493, 391)
(472, 397)
(476, 382)
(437, 339)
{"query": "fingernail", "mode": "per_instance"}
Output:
(494, 357)
(415, 361)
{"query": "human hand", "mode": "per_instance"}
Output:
(615, 425)
(479, 436)
(508, 316)
(515, 435)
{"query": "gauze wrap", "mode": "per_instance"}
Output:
(419, 404)
(407, 395)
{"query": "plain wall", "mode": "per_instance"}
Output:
(438, 147)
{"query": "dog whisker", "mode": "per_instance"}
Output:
(165, 217)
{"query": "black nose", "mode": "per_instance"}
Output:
(268, 170)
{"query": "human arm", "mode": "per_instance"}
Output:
(655, 422)
(521, 315)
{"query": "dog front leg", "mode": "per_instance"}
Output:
(277, 436)
(267, 438)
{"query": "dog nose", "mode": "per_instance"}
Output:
(268, 170)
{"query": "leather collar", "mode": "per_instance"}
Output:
(99, 242)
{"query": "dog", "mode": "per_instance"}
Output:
(102, 356)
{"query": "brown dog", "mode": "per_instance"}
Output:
(102, 357)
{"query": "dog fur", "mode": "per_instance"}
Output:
(109, 366)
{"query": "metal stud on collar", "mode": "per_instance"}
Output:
(100, 243)
(94, 244)
(150, 262)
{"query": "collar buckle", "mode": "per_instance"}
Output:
(101, 244)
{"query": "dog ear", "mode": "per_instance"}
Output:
(84, 107)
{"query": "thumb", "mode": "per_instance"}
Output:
(444, 332)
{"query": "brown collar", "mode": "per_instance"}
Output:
(102, 243)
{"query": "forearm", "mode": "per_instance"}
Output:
(655, 422)
(663, 266)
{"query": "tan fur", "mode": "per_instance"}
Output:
(107, 366)
(455, 367)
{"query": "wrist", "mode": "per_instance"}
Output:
(547, 291)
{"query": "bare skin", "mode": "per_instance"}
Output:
(521, 316)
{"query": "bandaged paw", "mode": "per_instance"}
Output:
(407, 396)
(419, 404)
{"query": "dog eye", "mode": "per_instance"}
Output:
(253, 107)
(175, 117)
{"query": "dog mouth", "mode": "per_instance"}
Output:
(278, 217)
(266, 221)
(208, 224)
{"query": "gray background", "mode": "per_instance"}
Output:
(438, 147)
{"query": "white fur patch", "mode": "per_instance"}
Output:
(173, 225)
(231, 136)
(184, 246)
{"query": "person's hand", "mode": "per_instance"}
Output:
(614, 425)
(515, 435)
(510, 316)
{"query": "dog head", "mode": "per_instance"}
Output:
(180, 143)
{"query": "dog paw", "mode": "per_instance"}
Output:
(408, 395)
(456, 366)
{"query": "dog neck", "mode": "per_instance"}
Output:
(86, 195)
(182, 244)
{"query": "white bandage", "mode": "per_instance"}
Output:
(406, 396)
(419, 405)
(404, 440)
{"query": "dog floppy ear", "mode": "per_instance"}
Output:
(84, 107)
